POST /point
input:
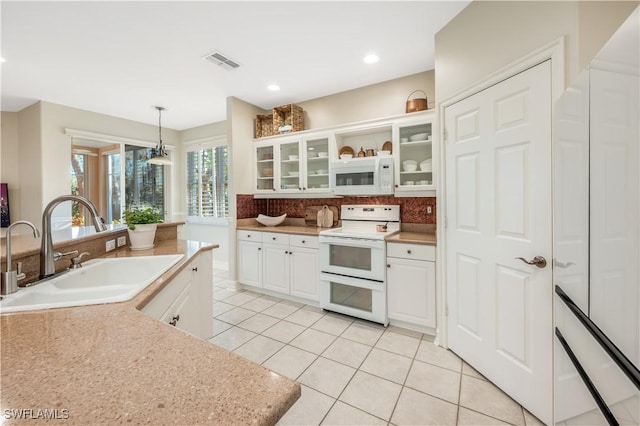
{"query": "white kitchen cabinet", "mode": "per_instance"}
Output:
(304, 267)
(279, 262)
(411, 283)
(315, 175)
(276, 268)
(414, 139)
(250, 258)
(187, 301)
(293, 166)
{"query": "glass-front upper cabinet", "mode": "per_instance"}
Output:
(290, 170)
(317, 164)
(265, 169)
(414, 154)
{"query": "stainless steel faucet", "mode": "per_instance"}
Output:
(9, 279)
(47, 255)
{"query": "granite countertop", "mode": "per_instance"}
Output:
(414, 234)
(427, 238)
(111, 363)
(284, 229)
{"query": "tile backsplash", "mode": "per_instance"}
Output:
(412, 209)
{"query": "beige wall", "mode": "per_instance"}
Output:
(29, 163)
(206, 131)
(488, 35)
(366, 103)
(9, 171)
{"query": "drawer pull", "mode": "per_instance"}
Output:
(195, 269)
(408, 251)
(303, 241)
(175, 320)
(274, 238)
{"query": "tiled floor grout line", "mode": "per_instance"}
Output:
(354, 374)
(332, 342)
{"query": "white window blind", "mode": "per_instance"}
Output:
(207, 182)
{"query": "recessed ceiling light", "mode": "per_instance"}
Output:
(371, 59)
(273, 87)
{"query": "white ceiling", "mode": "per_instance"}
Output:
(120, 58)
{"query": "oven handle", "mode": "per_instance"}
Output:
(352, 242)
(352, 281)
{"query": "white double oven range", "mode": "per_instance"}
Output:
(353, 276)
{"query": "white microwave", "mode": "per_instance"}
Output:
(362, 176)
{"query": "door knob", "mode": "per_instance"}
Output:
(539, 261)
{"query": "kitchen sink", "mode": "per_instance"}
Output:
(98, 281)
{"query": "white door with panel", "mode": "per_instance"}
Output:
(498, 162)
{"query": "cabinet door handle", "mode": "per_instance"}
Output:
(290, 252)
(175, 320)
(259, 248)
(274, 238)
(303, 241)
(408, 251)
(388, 266)
(195, 269)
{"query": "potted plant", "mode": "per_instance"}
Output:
(142, 224)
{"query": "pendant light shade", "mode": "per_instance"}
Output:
(159, 153)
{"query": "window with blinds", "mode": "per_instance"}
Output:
(207, 182)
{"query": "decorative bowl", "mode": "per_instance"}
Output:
(312, 154)
(321, 172)
(270, 220)
(291, 186)
(293, 157)
(346, 156)
(323, 154)
(384, 153)
(294, 174)
(267, 172)
(409, 182)
(410, 165)
(418, 137)
(426, 166)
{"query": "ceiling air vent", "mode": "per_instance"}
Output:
(221, 60)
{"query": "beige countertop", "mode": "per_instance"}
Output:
(428, 238)
(285, 229)
(107, 364)
(413, 237)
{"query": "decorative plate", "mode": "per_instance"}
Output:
(346, 150)
(387, 146)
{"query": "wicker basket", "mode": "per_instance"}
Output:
(264, 125)
(291, 114)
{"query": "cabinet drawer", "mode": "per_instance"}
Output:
(303, 241)
(412, 251)
(275, 238)
(250, 236)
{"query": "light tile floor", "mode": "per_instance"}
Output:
(354, 372)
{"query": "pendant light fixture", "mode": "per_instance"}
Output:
(159, 154)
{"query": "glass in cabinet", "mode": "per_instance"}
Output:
(415, 168)
(265, 168)
(317, 164)
(290, 172)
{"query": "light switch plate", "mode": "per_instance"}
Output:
(111, 245)
(122, 241)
